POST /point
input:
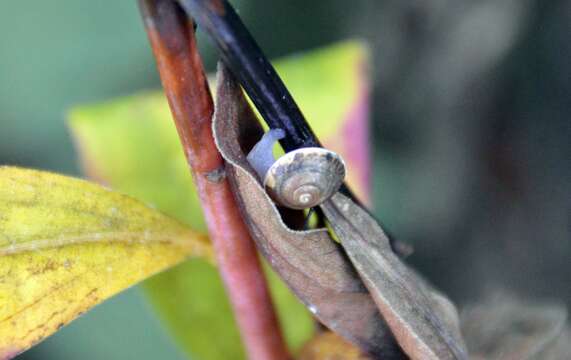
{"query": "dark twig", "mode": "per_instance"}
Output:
(253, 70)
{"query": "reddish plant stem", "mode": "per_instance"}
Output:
(172, 38)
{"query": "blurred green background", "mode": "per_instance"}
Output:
(471, 128)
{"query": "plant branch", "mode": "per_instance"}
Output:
(172, 38)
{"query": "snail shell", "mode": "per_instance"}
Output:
(305, 177)
(300, 179)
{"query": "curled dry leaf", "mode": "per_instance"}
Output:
(423, 321)
(311, 263)
(67, 245)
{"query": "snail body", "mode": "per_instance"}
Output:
(300, 179)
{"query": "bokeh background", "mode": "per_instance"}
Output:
(471, 130)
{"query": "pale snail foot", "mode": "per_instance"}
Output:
(300, 179)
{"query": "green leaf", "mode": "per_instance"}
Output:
(131, 144)
(63, 245)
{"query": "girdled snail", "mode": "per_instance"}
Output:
(300, 179)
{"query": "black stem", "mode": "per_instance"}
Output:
(253, 70)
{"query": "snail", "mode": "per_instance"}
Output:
(300, 179)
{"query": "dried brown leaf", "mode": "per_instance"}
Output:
(419, 317)
(310, 262)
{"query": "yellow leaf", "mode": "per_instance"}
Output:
(67, 245)
(330, 346)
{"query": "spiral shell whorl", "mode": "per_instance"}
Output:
(305, 178)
